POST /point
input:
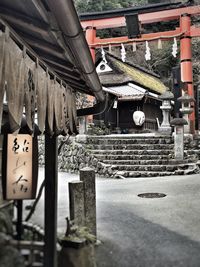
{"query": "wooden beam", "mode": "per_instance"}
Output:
(22, 21)
(41, 9)
(146, 18)
(66, 73)
(80, 84)
(38, 44)
(194, 31)
(144, 37)
(64, 65)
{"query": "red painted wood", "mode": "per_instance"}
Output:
(165, 15)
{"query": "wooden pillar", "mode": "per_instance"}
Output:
(19, 226)
(186, 62)
(51, 175)
(90, 37)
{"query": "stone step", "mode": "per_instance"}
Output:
(134, 147)
(102, 157)
(129, 136)
(144, 174)
(131, 152)
(108, 141)
(148, 168)
(147, 162)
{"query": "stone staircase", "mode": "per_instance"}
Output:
(122, 156)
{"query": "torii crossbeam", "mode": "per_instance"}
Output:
(185, 32)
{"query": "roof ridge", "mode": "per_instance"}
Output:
(134, 65)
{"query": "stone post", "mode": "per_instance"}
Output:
(178, 124)
(87, 176)
(82, 125)
(186, 110)
(76, 203)
(166, 98)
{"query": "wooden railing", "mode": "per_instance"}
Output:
(32, 251)
(150, 124)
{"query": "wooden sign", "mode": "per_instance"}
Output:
(20, 166)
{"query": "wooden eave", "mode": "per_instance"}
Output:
(38, 28)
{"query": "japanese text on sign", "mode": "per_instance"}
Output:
(19, 167)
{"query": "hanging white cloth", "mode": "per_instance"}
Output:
(30, 91)
(14, 79)
(41, 91)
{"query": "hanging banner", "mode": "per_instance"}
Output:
(20, 166)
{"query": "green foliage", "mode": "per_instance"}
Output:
(80, 234)
(103, 5)
(98, 130)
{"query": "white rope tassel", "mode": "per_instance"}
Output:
(159, 44)
(147, 53)
(110, 48)
(123, 53)
(174, 48)
(103, 54)
(134, 47)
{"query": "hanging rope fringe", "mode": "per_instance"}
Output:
(174, 48)
(159, 44)
(123, 53)
(134, 47)
(147, 53)
(103, 55)
(110, 48)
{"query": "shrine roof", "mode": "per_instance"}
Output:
(125, 72)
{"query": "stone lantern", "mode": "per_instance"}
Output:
(178, 124)
(186, 109)
(166, 107)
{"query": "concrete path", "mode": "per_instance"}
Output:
(139, 232)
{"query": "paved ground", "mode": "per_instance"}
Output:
(138, 232)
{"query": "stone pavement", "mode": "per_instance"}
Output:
(140, 232)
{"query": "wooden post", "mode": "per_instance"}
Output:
(87, 175)
(51, 175)
(19, 226)
(186, 62)
(76, 202)
(90, 36)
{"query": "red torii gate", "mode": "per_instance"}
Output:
(185, 32)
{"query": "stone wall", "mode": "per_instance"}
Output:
(73, 155)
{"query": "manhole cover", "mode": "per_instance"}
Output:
(152, 195)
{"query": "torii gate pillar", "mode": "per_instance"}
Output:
(90, 37)
(186, 62)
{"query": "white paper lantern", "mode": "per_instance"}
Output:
(138, 118)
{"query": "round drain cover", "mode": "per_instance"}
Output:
(152, 195)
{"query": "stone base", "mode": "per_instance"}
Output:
(165, 130)
(73, 257)
(81, 138)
